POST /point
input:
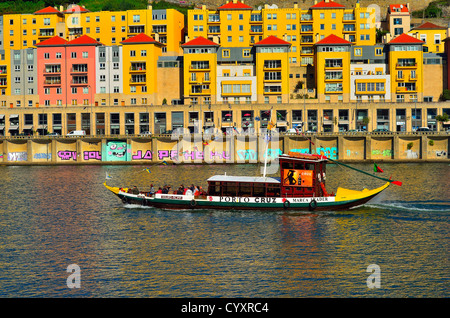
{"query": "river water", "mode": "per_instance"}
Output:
(55, 216)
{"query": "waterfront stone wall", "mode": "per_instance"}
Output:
(200, 149)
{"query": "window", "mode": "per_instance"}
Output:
(246, 52)
(132, 53)
(225, 53)
(84, 55)
(437, 39)
(73, 55)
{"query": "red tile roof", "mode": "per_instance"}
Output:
(272, 40)
(54, 41)
(235, 6)
(48, 10)
(404, 39)
(402, 7)
(333, 39)
(428, 26)
(200, 41)
(327, 5)
(140, 38)
(76, 8)
(84, 40)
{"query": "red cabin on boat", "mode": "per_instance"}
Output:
(301, 175)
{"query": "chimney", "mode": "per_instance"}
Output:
(234, 1)
(203, 6)
(61, 8)
(295, 5)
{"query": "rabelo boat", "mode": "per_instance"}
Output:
(301, 186)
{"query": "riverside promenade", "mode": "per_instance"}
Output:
(203, 148)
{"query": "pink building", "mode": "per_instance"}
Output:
(66, 71)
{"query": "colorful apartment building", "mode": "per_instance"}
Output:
(432, 35)
(332, 63)
(236, 57)
(406, 68)
(66, 71)
(108, 27)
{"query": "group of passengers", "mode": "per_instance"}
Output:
(192, 190)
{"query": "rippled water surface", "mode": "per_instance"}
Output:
(54, 216)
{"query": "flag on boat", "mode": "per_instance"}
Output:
(108, 176)
(164, 163)
(376, 168)
(147, 169)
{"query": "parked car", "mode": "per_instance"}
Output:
(380, 130)
(53, 134)
(75, 133)
(423, 129)
(146, 133)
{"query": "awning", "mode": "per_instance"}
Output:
(14, 128)
(2, 127)
(27, 126)
(42, 127)
(2, 116)
(13, 116)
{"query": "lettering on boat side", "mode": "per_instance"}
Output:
(247, 200)
(306, 200)
(172, 197)
(74, 279)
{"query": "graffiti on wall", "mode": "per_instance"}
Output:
(92, 155)
(384, 153)
(18, 156)
(67, 155)
(42, 156)
(330, 152)
(142, 155)
(116, 151)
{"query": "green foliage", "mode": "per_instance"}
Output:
(409, 145)
(442, 118)
(445, 95)
(433, 10)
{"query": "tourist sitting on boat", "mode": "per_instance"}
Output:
(180, 191)
(196, 191)
(159, 190)
(188, 191)
(152, 189)
(202, 192)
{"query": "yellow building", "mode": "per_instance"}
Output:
(108, 27)
(406, 68)
(200, 65)
(272, 70)
(332, 64)
(432, 35)
(140, 55)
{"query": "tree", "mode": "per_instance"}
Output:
(442, 118)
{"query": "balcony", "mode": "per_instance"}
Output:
(3, 71)
(412, 78)
(199, 68)
(406, 90)
(3, 84)
(52, 82)
(406, 65)
(306, 29)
